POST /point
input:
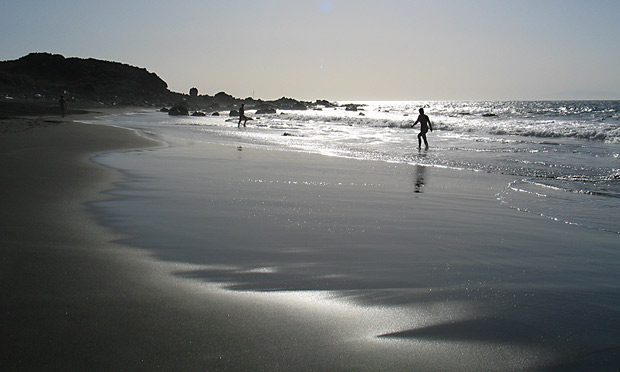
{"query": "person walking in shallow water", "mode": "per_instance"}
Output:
(425, 125)
(242, 116)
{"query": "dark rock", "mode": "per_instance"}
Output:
(289, 104)
(488, 115)
(265, 108)
(199, 113)
(224, 99)
(178, 110)
(233, 113)
(164, 109)
(299, 106)
(215, 114)
(324, 103)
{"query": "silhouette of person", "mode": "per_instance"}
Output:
(425, 124)
(242, 115)
(63, 106)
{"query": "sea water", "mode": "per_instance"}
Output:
(565, 155)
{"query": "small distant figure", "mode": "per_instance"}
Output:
(425, 125)
(63, 106)
(242, 116)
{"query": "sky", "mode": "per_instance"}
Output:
(339, 49)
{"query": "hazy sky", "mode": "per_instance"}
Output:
(339, 49)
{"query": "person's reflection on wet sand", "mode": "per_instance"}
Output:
(420, 171)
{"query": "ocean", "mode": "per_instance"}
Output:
(564, 155)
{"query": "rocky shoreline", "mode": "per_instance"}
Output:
(33, 84)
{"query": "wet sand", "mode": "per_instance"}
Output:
(81, 293)
(73, 300)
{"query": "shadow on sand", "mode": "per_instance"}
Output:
(472, 330)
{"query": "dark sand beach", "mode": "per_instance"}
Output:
(73, 300)
(81, 293)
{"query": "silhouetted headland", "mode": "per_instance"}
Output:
(33, 83)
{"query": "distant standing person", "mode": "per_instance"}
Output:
(425, 125)
(242, 116)
(63, 106)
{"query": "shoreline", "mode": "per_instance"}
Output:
(56, 267)
(262, 223)
(76, 299)
(77, 295)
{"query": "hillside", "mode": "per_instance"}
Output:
(47, 76)
(35, 82)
